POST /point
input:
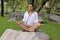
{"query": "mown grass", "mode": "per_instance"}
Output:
(50, 28)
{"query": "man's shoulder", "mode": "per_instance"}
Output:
(35, 12)
(26, 12)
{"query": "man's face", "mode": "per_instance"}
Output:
(30, 7)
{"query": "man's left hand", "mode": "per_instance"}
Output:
(31, 29)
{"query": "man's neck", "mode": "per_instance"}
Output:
(30, 11)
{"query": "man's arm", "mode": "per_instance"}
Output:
(19, 22)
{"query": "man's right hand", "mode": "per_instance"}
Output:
(18, 22)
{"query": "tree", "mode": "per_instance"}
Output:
(2, 8)
(41, 6)
(13, 4)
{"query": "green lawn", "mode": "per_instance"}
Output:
(50, 28)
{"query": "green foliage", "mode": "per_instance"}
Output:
(16, 4)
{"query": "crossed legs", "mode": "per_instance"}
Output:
(29, 28)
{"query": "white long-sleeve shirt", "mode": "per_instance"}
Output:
(30, 20)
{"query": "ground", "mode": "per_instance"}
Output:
(50, 28)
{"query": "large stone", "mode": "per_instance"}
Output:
(55, 18)
(10, 34)
(40, 19)
(16, 16)
(46, 15)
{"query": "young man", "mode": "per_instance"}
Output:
(30, 21)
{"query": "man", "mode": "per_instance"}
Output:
(30, 21)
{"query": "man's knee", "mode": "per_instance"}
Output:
(38, 24)
(16, 23)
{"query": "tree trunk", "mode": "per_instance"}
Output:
(2, 8)
(40, 7)
(14, 10)
(33, 2)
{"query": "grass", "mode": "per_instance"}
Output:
(5, 24)
(50, 28)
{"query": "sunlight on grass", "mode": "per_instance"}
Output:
(50, 28)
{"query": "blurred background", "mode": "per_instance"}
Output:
(48, 10)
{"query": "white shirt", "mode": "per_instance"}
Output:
(30, 20)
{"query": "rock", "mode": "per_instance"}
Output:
(40, 19)
(10, 34)
(6, 12)
(55, 18)
(16, 16)
(46, 15)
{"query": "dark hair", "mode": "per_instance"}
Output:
(32, 4)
